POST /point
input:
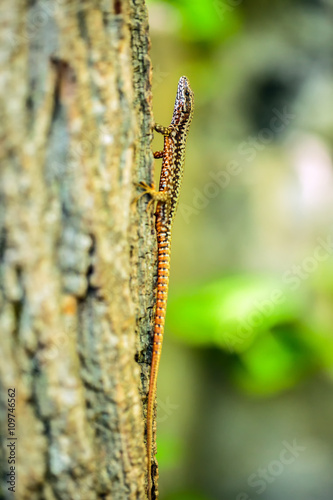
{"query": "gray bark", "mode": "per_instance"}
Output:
(76, 256)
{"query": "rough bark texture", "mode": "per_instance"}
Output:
(76, 258)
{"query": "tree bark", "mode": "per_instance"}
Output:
(77, 259)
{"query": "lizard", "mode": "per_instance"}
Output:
(167, 197)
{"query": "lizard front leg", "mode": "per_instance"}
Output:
(163, 130)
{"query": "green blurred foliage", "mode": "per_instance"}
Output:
(169, 450)
(223, 313)
(206, 22)
(260, 321)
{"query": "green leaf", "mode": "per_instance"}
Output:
(232, 312)
(268, 367)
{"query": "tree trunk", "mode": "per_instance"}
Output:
(77, 260)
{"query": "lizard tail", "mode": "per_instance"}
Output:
(162, 294)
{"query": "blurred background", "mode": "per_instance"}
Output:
(245, 399)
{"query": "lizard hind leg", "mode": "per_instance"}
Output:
(146, 190)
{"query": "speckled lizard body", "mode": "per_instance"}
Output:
(167, 198)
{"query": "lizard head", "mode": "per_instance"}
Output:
(184, 101)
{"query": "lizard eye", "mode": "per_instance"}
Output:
(187, 93)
